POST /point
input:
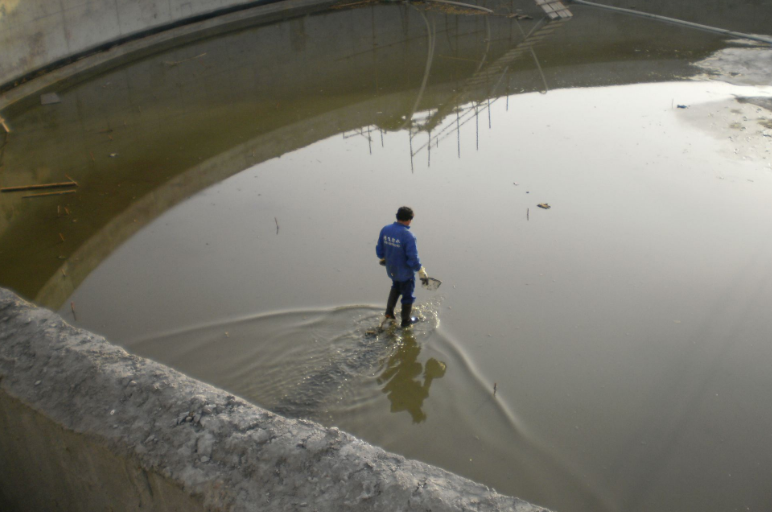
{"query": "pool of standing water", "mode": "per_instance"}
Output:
(608, 353)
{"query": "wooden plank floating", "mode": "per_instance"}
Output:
(71, 183)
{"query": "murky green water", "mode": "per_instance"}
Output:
(231, 192)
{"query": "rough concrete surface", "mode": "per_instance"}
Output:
(35, 33)
(88, 426)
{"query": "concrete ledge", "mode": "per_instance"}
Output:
(87, 426)
(36, 34)
(112, 52)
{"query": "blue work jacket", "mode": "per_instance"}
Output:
(397, 244)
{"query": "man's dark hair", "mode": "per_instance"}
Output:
(405, 213)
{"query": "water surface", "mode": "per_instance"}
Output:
(230, 200)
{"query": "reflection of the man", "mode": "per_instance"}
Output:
(402, 378)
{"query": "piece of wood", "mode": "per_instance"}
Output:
(36, 187)
(50, 194)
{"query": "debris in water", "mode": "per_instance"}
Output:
(62, 237)
(277, 225)
(70, 183)
(171, 63)
(546, 206)
(49, 98)
(495, 385)
(113, 155)
(49, 194)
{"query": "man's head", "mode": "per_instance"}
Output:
(405, 214)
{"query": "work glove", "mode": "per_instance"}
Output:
(424, 276)
(382, 262)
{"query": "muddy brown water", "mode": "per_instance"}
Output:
(231, 191)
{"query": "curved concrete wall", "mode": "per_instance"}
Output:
(86, 426)
(37, 33)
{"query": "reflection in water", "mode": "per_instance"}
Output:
(401, 378)
(188, 117)
(302, 364)
(321, 364)
(587, 357)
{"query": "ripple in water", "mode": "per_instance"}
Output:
(405, 390)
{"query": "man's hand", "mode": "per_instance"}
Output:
(424, 276)
(382, 262)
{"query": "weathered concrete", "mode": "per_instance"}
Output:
(37, 33)
(87, 426)
(112, 51)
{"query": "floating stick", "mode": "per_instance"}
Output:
(49, 194)
(36, 187)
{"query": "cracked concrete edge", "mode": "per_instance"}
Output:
(229, 454)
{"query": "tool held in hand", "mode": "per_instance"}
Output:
(429, 283)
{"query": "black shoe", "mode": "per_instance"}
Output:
(408, 320)
(391, 302)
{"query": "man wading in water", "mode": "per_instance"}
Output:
(397, 251)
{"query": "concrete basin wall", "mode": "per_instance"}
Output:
(37, 33)
(84, 425)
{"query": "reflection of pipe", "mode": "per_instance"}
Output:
(429, 58)
(678, 22)
(470, 6)
(535, 59)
